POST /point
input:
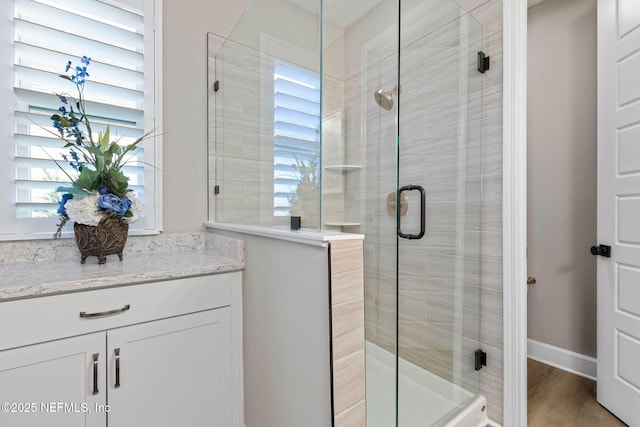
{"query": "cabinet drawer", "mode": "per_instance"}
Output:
(47, 318)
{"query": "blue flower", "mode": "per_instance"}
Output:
(81, 73)
(86, 60)
(75, 161)
(113, 203)
(103, 190)
(68, 66)
(57, 125)
(62, 211)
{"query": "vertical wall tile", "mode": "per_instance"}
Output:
(348, 331)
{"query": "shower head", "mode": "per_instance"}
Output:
(384, 98)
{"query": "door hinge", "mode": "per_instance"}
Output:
(481, 359)
(216, 189)
(216, 85)
(602, 250)
(484, 62)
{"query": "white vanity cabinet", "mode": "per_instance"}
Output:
(173, 372)
(169, 353)
(35, 379)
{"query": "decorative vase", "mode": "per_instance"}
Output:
(106, 238)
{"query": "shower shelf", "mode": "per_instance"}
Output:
(343, 167)
(342, 224)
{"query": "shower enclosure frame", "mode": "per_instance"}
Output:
(509, 112)
(514, 212)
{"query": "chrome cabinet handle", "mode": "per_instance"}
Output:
(95, 373)
(84, 314)
(117, 353)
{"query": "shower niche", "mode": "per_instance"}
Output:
(341, 167)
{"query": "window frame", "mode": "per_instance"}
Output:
(278, 49)
(153, 119)
(282, 211)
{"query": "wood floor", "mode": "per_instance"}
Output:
(558, 398)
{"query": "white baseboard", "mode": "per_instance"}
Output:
(567, 360)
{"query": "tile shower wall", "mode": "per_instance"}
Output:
(444, 316)
(450, 297)
(240, 124)
(241, 134)
(333, 152)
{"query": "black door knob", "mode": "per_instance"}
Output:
(602, 250)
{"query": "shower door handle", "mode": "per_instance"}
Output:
(422, 212)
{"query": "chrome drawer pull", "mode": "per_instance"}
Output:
(95, 372)
(117, 352)
(85, 315)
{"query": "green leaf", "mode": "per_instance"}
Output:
(115, 149)
(72, 190)
(64, 76)
(95, 151)
(119, 184)
(88, 179)
(100, 164)
(103, 139)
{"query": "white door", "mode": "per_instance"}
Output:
(619, 208)
(55, 384)
(172, 372)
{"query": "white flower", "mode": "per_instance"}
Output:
(137, 210)
(84, 210)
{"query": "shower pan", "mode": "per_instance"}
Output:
(379, 128)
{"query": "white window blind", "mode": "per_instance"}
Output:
(119, 92)
(296, 130)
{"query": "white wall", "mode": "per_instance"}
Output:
(185, 106)
(562, 174)
(287, 372)
(284, 21)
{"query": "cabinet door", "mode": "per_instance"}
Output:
(52, 384)
(171, 372)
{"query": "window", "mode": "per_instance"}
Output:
(297, 135)
(121, 91)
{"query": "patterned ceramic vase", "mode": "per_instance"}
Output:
(106, 238)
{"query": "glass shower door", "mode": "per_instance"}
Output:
(439, 177)
(402, 117)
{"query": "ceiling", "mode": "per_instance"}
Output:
(340, 12)
(344, 13)
(534, 2)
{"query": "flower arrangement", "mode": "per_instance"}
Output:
(100, 189)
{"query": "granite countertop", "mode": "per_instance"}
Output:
(144, 262)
